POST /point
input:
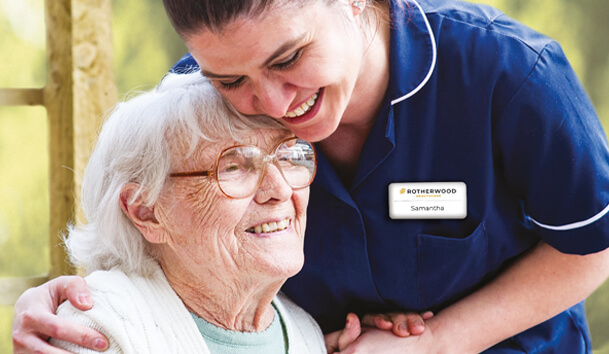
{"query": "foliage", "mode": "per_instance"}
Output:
(145, 47)
(6, 314)
(24, 215)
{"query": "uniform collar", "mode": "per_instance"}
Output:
(413, 50)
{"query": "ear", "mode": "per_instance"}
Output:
(141, 215)
(357, 6)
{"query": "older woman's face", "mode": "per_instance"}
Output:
(207, 230)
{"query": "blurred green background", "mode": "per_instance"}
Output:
(145, 47)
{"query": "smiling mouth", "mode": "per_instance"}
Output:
(303, 108)
(270, 226)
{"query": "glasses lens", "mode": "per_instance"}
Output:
(296, 159)
(239, 170)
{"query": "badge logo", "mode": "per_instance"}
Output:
(428, 200)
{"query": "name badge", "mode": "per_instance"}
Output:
(428, 200)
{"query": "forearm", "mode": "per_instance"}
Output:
(536, 287)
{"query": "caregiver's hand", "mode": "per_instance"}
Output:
(373, 340)
(35, 321)
(339, 340)
(398, 324)
(402, 324)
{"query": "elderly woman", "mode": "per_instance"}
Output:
(196, 218)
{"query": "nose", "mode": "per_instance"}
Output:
(273, 186)
(273, 96)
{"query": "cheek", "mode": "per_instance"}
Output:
(217, 214)
(198, 211)
(301, 200)
(237, 97)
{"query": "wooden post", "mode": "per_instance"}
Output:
(95, 87)
(58, 96)
(80, 87)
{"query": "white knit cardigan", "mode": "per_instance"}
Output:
(144, 315)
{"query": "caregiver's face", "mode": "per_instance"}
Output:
(295, 63)
(257, 237)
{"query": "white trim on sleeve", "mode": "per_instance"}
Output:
(574, 225)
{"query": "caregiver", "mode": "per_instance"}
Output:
(403, 92)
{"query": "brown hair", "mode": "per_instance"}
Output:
(192, 16)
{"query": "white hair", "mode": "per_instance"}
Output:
(134, 146)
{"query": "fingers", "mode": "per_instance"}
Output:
(378, 320)
(400, 323)
(339, 340)
(36, 326)
(72, 288)
(331, 340)
(34, 320)
(36, 346)
(352, 330)
(410, 323)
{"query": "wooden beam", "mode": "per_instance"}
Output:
(21, 97)
(80, 88)
(59, 102)
(95, 88)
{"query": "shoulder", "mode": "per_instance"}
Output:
(115, 298)
(488, 47)
(110, 288)
(110, 308)
(138, 313)
(470, 20)
(120, 292)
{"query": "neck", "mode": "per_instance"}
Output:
(343, 148)
(373, 78)
(224, 300)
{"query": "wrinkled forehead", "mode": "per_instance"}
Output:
(205, 153)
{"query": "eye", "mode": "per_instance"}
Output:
(290, 61)
(230, 168)
(232, 84)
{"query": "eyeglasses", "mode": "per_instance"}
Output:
(240, 169)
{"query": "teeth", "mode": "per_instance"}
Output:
(305, 107)
(270, 227)
(282, 224)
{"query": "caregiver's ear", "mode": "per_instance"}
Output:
(357, 6)
(133, 203)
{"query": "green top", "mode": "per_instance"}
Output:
(270, 341)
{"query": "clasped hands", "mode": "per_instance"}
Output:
(372, 332)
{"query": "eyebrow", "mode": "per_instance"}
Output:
(210, 75)
(283, 48)
(277, 53)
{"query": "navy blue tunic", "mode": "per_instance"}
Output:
(477, 97)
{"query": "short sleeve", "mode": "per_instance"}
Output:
(554, 154)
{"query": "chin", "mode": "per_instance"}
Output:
(313, 134)
(287, 267)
